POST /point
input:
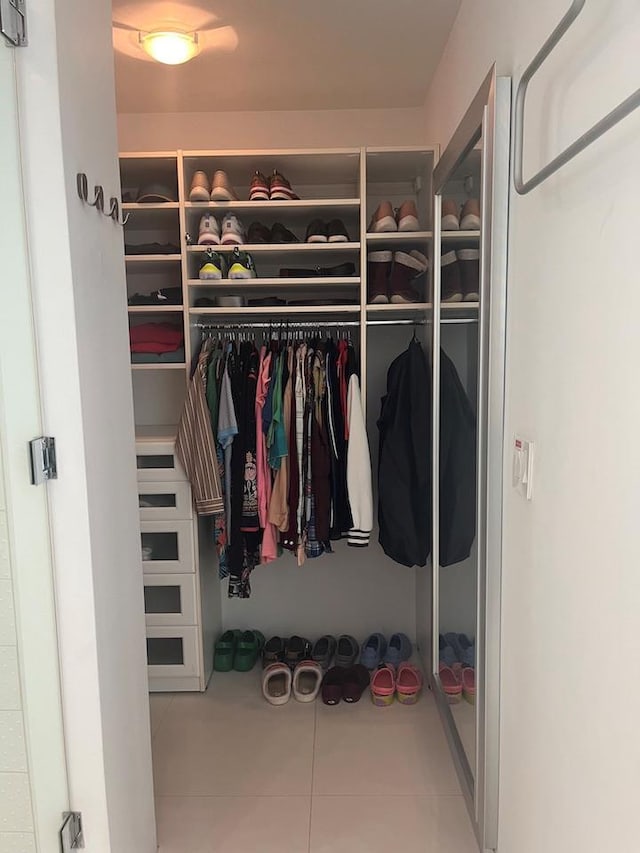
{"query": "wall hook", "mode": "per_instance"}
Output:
(114, 212)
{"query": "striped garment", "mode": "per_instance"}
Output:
(195, 445)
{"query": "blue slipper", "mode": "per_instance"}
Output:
(372, 651)
(398, 650)
(463, 647)
(445, 653)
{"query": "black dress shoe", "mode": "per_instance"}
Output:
(258, 233)
(280, 234)
(337, 232)
(317, 232)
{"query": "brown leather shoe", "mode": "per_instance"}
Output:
(199, 187)
(470, 215)
(407, 216)
(280, 188)
(221, 189)
(450, 218)
(259, 189)
(378, 269)
(383, 219)
(450, 281)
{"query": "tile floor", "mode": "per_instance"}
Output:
(236, 775)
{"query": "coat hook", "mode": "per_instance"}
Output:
(98, 201)
(114, 212)
(83, 186)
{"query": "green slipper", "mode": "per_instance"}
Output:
(248, 648)
(225, 650)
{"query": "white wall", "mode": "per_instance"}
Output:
(570, 752)
(310, 129)
(68, 123)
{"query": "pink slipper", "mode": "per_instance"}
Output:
(408, 684)
(451, 684)
(469, 684)
(383, 686)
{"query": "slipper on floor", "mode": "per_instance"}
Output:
(408, 684)
(324, 650)
(307, 678)
(469, 684)
(383, 686)
(273, 651)
(332, 685)
(276, 683)
(372, 651)
(248, 648)
(446, 654)
(451, 683)
(225, 650)
(356, 680)
(347, 650)
(296, 650)
(398, 650)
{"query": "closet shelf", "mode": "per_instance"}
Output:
(151, 259)
(459, 236)
(259, 283)
(277, 312)
(303, 204)
(155, 309)
(400, 237)
(409, 309)
(281, 248)
(169, 365)
(160, 205)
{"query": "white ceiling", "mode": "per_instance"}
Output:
(283, 54)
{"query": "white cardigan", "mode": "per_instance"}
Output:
(358, 469)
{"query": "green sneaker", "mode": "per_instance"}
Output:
(225, 650)
(241, 265)
(211, 266)
(248, 649)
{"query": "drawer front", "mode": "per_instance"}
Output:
(170, 599)
(156, 461)
(164, 501)
(172, 652)
(167, 547)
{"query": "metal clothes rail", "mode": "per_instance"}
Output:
(325, 324)
(614, 117)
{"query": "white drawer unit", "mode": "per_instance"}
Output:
(167, 547)
(164, 501)
(156, 461)
(173, 652)
(170, 600)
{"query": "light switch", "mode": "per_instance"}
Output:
(523, 454)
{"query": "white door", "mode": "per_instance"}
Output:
(33, 778)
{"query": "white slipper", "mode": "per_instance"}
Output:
(307, 678)
(276, 684)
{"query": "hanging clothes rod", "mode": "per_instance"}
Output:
(326, 324)
(614, 117)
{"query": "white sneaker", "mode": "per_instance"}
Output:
(232, 230)
(209, 231)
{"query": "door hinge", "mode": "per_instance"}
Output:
(71, 837)
(43, 458)
(13, 22)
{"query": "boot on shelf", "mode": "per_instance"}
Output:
(450, 281)
(406, 268)
(378, 269)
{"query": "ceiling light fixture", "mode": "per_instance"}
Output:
(170, 47)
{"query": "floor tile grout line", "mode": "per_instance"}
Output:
(313, 766)
(163, 717)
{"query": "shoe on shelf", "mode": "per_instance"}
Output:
(241, 265)
(232, 230)
(332, 685)
(383, 219)
(398, 650)
(450, 219)
(355, 681)
(469, 264)
(199, 187)
(378, 271)
(469, 684)
(297, 649)
(372, 651)
(212, 266)
(450, 278)
(258, 233)
(280, 234)
(209, 232)
(336, 232)
(221, 189)
(307, 678)
(407, 216)
(233, 300)
(248, 648)
(280, 188)
(347, 650)
(451, 683)
(324, 650)
(276, 683)
(383, 686)
(317, 232)
(225, 650)
(406, 267)
(259, 188)
(273, 651)
(408, 684)
(470, 215)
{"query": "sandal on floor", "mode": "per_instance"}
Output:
(332, 685)
(296, 650)
(469, 684)
(248, 648)
(273, 651)
(383, 686)
(347, 650)
(324, 650)
(225, 650)
(398, 650)
(276, 683)
(408, 684)
(451, 684)
(372, 651)
(356, 680)
(307, 678)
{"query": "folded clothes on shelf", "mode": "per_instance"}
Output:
(174, 357)
(151, 249)
(156, 338)
(339, 271)
(165, 296)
